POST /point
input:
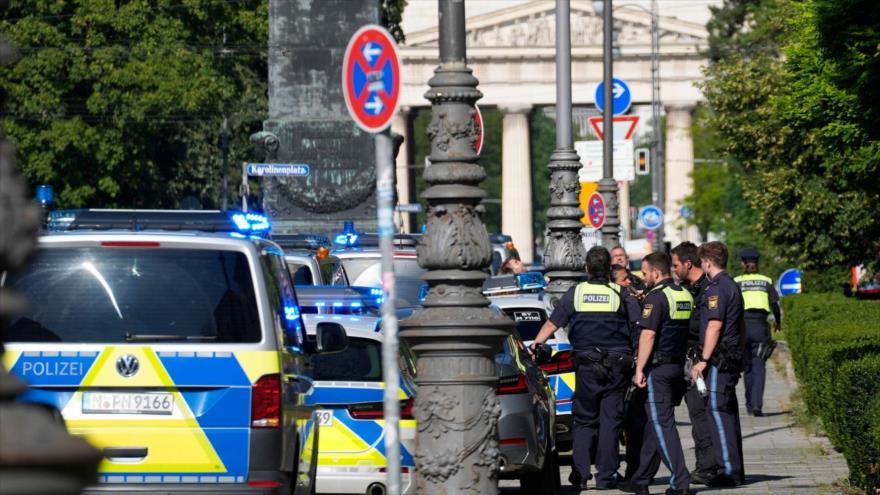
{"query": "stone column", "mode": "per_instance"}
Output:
(400, 125)
(679, 165)
(516, 181)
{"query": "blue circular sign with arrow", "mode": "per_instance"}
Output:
(371, 78)
(790, 282)
(621, 97)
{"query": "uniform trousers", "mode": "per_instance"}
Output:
(597, 416)
(757, 333)
(662, 442)
(724, 411)
(634, 424)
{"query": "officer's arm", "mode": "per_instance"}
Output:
(546, 331)
(774, 305)
(713, 335)
(646, 345)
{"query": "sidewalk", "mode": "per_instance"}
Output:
(780, 458)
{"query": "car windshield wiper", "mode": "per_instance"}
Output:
(141, 337)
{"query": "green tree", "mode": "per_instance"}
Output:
(118, 103)
(807, 161)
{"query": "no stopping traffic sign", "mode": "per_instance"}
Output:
(371, 78)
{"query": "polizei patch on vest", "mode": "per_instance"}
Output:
(597, 298)
(646, 311)
(683, 305)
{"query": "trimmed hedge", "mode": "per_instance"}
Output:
(835, 344)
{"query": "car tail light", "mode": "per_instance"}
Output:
(561, 362)
(512, 385)
(512, 441)
(264, 484)
(266, 402)
(376, 410)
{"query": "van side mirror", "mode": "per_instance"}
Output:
(330, 337)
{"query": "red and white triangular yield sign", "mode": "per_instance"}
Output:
(624, 126)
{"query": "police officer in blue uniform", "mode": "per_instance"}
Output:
(664, 323)
(759, 300)
(687, 270)
(598, 314)
(720, 362)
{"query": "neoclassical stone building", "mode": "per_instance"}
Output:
(512, 52)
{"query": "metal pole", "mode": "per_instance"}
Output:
(390, 370)
(657, 195)
(224, 145)
(608, 186)
(456, 336)
(564, 254)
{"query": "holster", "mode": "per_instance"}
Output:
(765, 349)
(725, 360)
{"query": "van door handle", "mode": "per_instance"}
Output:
(125, 452)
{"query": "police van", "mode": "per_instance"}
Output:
(173, 342)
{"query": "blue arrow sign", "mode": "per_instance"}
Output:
(650, 217)
(789, 282)
(278, 169)
(621, 96)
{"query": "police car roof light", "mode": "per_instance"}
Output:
(348, 237)
(530, 280)
(45, 194)
(235, 222)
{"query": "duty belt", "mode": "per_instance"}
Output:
(662, 358)
(604, 363)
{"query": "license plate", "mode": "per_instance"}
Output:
(127, 403)
(325, 418)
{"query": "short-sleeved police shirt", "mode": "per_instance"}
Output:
(696, 289)
(564, 311)
(655, 312)
(722, 301)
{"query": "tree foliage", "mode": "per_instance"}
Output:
(120, 103)
(805, 157)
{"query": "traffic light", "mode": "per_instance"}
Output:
(643, 160)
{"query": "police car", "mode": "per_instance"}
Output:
(349, 394)
(173, 342)
(309, 260)
(521, 297)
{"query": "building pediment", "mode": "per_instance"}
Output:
(533, 25)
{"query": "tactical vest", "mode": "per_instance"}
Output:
(673, 333)
(755, 289)
(598, 320)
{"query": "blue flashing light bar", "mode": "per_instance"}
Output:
(291, 312)
(233, 222)
(348, 237)
(530, 281)
(45, 194)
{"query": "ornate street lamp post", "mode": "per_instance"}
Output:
(564, 255)
(456, 335)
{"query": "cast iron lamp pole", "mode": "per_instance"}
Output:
(456, 335)
(564, 255)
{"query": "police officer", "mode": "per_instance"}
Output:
(665, 323)
(598, 312)
(720, 360)
(759, 299)
(687, 270)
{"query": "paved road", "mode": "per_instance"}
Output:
(780, 458)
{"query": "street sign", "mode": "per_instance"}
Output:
(591, 160)
(789, 282)
(621, 97)
(371, 78)
(624, 127)
(409, 208)
(686, 212)
(277, 169)
(650, 217)
(478, 120)
(596, 211)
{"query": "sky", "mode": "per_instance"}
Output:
(422, 14)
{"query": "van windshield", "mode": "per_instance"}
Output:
(100, 294)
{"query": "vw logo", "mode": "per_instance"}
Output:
(127, 365)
